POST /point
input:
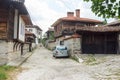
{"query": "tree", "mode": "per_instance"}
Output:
(106, 8)
(105, 22)
(51, 36)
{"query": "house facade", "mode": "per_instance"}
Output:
(66, 27)
(13, 18)
(35, 30)
(86, 35)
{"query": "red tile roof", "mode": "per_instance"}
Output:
(76, 19)
(81, 19)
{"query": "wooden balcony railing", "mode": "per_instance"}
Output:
(19, 1)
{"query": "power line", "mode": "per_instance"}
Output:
(66, 5)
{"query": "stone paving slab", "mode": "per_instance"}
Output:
(20, 60)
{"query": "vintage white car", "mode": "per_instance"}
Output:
(60, 51)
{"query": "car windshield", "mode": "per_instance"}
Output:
(61, 48)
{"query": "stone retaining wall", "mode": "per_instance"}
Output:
(8, 54)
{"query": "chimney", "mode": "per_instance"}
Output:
(78, 13)
(70, 14)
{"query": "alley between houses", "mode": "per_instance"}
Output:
(43, 66)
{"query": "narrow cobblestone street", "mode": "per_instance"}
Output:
(42, 66)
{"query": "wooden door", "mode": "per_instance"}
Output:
(99, 43)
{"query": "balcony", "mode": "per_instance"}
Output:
(18, 1)
(68, 32)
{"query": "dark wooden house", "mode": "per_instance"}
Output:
(13, 18)
(68, 25)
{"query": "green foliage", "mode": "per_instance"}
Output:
(3, 76)
(106, 8)
(7, 68)
(3, 71)
(105, 21)
(51, 36)
(44, 41)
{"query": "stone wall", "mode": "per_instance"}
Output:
(74, 45)
(7, 53)
(3, 47)
(51, 45)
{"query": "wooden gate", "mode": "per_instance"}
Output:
(99, 43)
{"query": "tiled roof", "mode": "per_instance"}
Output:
(99, 29)
(80, 19)
(76, 19)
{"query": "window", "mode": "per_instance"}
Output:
(61, 42)
(30, 30)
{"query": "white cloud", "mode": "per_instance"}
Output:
(44, 15)
(41, 14)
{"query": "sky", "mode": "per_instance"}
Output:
(45, 12)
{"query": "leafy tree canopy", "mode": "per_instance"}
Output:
(106, 8)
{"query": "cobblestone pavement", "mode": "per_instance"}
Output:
(42, 66)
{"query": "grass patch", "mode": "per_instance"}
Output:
(91, 60)
(74, 58)
(4, 70)
(49, 49)
(3, 76)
